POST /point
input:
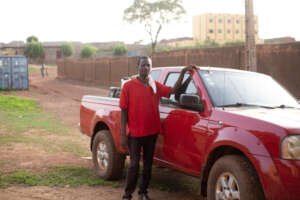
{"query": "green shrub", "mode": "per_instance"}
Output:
(120, 49)
(88, 51)
(34, 49)
(32, 39)
(67, 49)
(236, 43)
(210, 43)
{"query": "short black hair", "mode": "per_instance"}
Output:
(142, 58)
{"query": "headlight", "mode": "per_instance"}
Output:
(290, 147)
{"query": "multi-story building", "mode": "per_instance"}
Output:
(221, 28)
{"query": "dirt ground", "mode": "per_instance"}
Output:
(62, 98)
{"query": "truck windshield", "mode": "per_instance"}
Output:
(232, 88)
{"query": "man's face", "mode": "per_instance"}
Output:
(144, 67)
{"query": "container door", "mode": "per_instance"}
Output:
(16, 81)
(6, 71)
(1, 73)
(19, 73)
(24, 72)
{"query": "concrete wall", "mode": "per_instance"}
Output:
(281, 61)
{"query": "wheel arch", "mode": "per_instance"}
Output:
(98, 127)
(214, 155)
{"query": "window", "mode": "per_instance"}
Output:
(237, 21)
(237, 31)
(220, 21)
(155, 74)
(210, 20)
(229, 21)
(220, 31)
(211, 31)
(228, 31)
(228, 87)
(187, 87)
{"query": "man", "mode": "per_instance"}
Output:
(139, 102)
(42, 69)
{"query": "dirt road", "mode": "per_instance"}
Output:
(62, 98)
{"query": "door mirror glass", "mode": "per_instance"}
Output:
(191, 101)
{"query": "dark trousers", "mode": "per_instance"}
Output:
(135, 146)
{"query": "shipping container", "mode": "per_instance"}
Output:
(13, 73)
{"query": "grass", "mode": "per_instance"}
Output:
(23, 121)
(7, 92)
(76, 176)
(169, 180)
(31, 69)
(19, 115)
(51, 65)
(5, 163)
(72, 176)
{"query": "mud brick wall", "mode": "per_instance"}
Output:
(281, 61)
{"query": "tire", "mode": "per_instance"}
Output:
(238, 171)
(108, 163)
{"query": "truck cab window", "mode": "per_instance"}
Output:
(187, 87)
(155, 74)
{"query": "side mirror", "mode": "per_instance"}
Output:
(114, 92)
(191, 101)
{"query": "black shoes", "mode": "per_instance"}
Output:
(143, 197)
(127, 197)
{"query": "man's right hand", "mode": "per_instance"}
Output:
(124, 141)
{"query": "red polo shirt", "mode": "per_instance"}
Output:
(142, 105)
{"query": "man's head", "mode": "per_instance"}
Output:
(144, 66)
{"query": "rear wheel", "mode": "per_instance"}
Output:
(108, 163)
(233, 178)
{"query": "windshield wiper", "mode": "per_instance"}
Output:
(244, 105)
(285, 106)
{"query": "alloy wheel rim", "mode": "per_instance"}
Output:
(227, 187)
(102, 155)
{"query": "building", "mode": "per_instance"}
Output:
(221, 28)
(178, 42)
(279, 40)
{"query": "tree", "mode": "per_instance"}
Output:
(120, 49)
(32, 39)
(88, 51)
(67, 49)
(154, 15)
(34, 49)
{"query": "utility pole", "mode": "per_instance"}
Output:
(250, 51)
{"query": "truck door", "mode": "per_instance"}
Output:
(179, 145)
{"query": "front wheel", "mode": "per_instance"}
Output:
(108, 163)
(232, 177)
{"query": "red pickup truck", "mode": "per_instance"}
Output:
(237, 131)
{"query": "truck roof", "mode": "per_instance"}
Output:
(206, 68)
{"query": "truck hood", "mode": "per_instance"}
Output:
(285, 117)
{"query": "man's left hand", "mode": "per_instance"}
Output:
(189, 68)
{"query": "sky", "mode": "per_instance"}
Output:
(101, 20)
